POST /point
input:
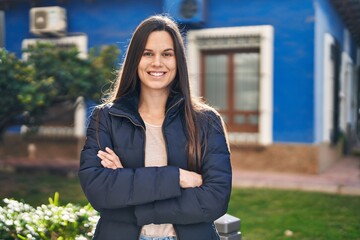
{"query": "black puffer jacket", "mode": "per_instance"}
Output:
(133, 196)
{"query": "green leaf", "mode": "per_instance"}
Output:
(21, 237)
(54, 201)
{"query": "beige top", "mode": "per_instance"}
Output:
(155, 156)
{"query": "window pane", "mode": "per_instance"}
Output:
(246, 67)
(216, 80)
(246, 119)
(254, 119)
(240, 119)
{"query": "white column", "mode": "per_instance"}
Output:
(80, 117)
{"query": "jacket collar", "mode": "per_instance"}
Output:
(127, 106)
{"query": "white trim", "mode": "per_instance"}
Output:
(80, 41)
(80, 117)
(266, 45)
(346, 93)
(328, 89)
(346, 40)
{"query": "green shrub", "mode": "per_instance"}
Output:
(51, 75)
(19, 220)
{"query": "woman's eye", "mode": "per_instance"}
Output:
(167, 54)
(147, 54)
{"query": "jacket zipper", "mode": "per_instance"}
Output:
(125, 116)
(180, 100)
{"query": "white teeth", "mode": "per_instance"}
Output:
(156, 74)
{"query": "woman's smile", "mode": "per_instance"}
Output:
(157, 74)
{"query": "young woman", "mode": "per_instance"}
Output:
(156, 163)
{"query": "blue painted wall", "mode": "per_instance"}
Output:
(105, 22)
(109, 22)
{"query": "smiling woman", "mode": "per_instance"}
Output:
(156, 162)
(156, 70)
(157, 67)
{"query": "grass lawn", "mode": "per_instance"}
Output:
(35, 188)
(267, 214)
(264, 213)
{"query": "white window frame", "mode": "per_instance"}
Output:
(266, 47)
(346, 93)
(328, 89)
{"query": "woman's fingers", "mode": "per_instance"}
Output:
(109, 159)
(115, 158)
(108, 164)
(110, 151)
(106, 155)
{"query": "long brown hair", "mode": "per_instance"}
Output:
(128, 79)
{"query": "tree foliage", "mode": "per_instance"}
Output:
(49, 76)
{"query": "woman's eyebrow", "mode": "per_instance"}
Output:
(166, 50)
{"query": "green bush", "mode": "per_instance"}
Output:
(51, 75)
(19, 220)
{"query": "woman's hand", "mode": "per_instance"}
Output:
(190, 179)
(109, 159)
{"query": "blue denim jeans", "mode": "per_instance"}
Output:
(142, 237)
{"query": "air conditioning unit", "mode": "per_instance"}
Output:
(186, 11)
(78, 41)
(48, 21)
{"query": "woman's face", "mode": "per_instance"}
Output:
(157, 67)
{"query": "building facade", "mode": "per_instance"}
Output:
(285, 77)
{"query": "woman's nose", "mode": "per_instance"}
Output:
(156, 61)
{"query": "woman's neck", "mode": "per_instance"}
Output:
(152, 107)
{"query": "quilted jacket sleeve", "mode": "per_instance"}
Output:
(107, 188)
(202, 204)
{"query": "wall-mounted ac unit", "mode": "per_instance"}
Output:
(186, 11)
(78, 41)
(49, 21)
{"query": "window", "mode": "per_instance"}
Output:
(232, 68)
(230, 83)
(331, 100)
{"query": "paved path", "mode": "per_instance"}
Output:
(343, 178)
